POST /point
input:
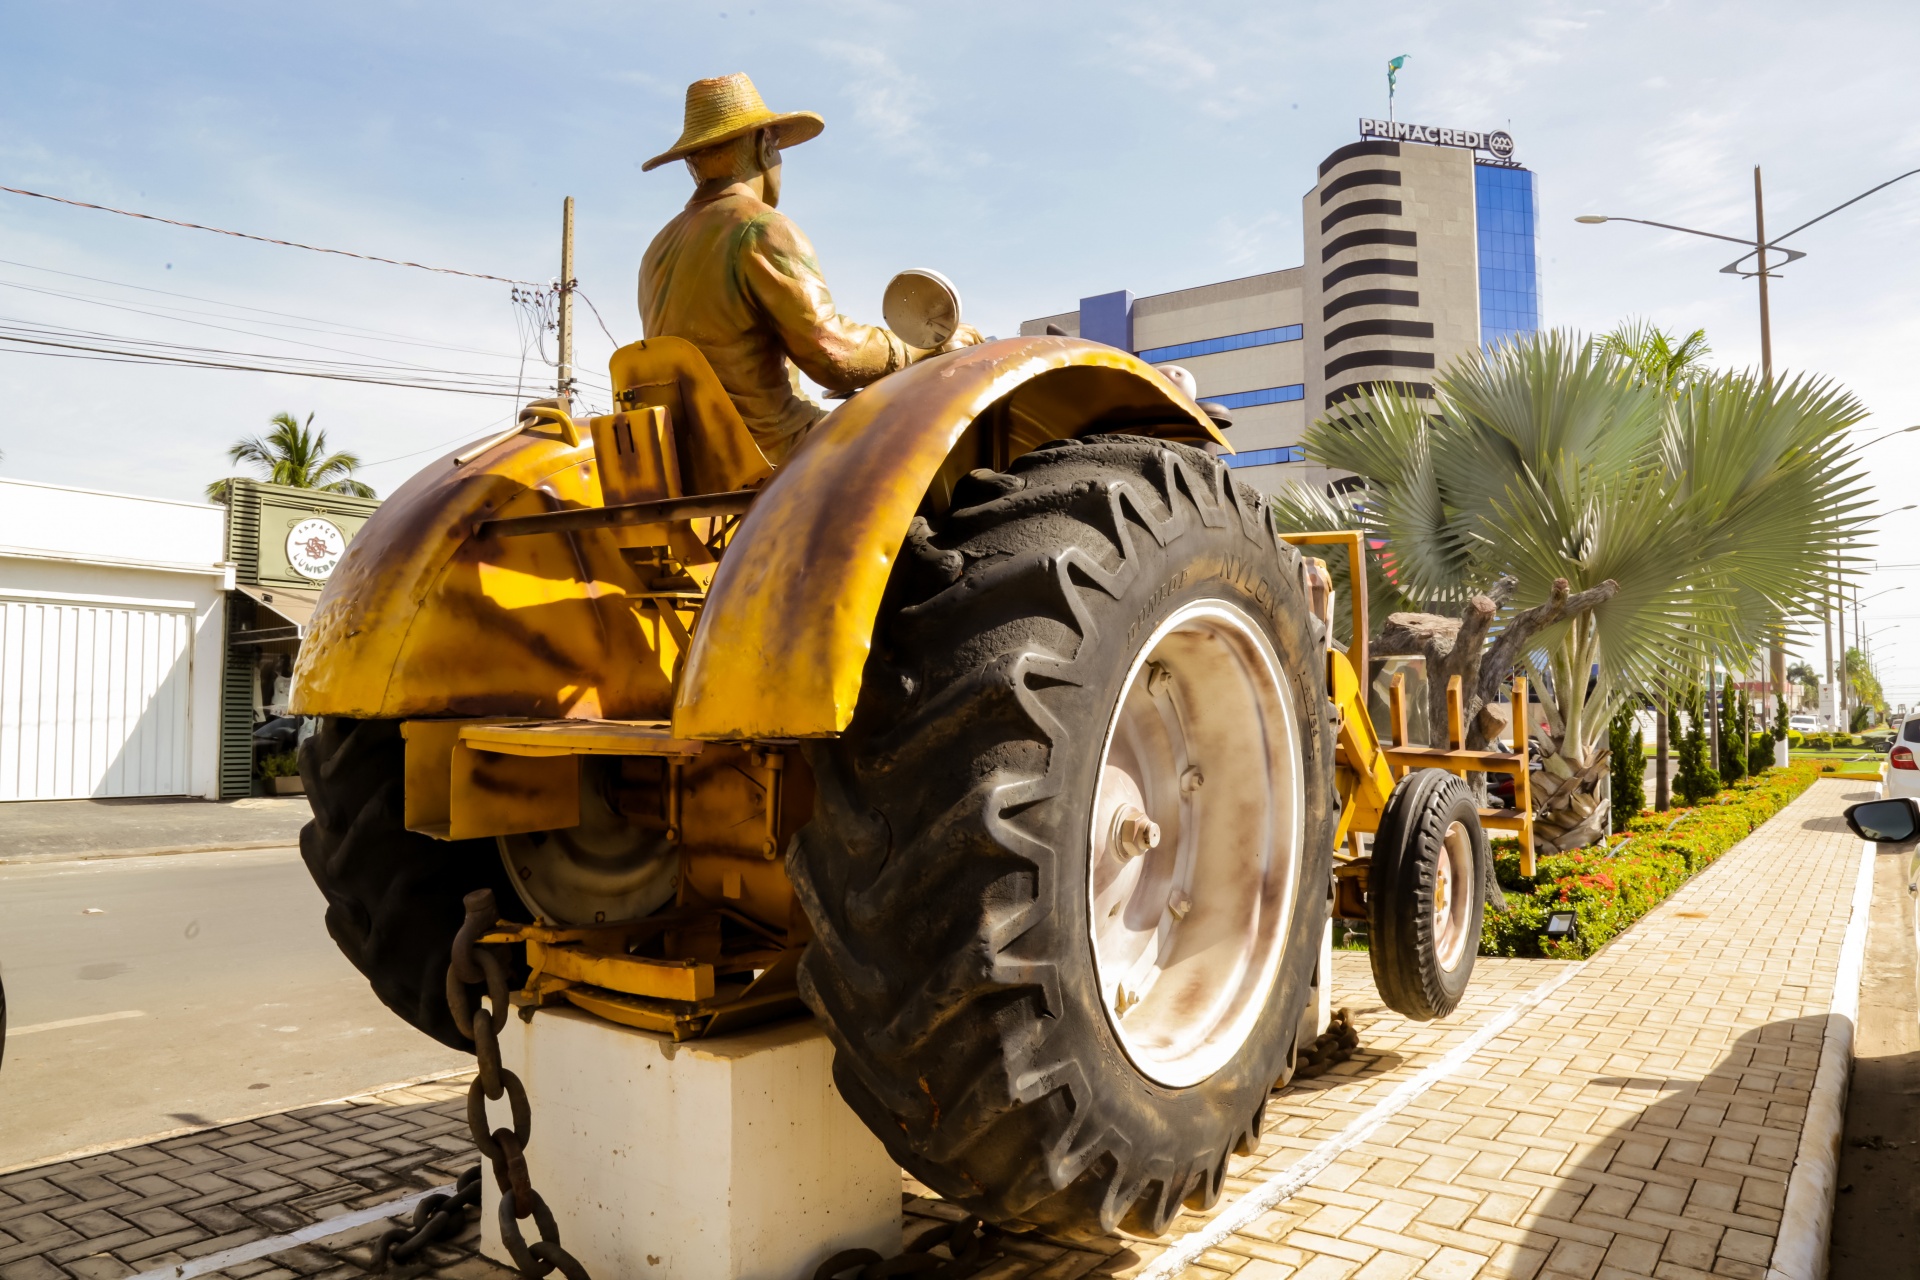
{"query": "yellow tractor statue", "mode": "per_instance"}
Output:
(999, 727)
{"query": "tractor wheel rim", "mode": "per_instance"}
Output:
(1195, 843)
(1453, 896)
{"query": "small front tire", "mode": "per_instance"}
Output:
(1425, 895)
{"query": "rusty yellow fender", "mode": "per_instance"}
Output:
(421, 619)
(784, 636)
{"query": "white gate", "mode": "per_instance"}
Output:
(93, 700)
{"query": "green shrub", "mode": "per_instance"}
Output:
(283, 765)
(1628, 767)
(1733, 735)
(1609, 886)
(1696, 778)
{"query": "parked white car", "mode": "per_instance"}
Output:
(1903, 761)
(1804, 724)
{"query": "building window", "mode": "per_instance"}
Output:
(1507, 225)
(1214, 346)
(1265, 457)
(1266, 395)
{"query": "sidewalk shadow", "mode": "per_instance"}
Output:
(1699, 1177)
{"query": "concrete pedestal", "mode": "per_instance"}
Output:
(724, 1159)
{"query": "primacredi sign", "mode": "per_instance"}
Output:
(1498, 143)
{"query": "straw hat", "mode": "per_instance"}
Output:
(723, 109)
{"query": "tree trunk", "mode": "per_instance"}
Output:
(1567, 805)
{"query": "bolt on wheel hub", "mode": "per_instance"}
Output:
(1195, 842)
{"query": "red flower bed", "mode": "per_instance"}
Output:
(1609, 886)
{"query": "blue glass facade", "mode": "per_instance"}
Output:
(1214, 346)
(1506, 215)
(1266, 457)
(1265, 395)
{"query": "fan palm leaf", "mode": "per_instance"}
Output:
(1718, 504)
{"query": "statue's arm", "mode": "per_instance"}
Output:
(778, 269)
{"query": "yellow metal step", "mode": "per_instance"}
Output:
(579, 738)
(1504, 819)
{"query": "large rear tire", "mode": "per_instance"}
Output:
(1069, 867)
(393, 896)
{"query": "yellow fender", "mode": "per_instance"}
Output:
(784, 635)
(422, 619)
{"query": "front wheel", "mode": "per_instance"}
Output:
(1425, 895)
(1068, 870)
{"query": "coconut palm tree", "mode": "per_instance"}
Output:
(1656, 357)
(1642, 526)
(294, 454)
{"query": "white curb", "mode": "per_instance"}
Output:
(1806, 1223)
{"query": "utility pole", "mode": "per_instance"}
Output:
(1760, 244)
(1662, 790)
(1826, 637)
(1859, 633)
(1776, 653)
(1840, 689)
(1713, 711)
(566, 306)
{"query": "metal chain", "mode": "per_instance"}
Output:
(1332, 1046)
(971, 1244)
(474, 966)
(434, 1219)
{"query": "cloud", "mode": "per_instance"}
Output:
(890, 105)
(1159, 48)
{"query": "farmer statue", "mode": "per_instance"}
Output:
(738, 279)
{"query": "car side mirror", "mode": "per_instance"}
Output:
(1885, 821)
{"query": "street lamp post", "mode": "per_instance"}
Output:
(1859, 636)
(1758, 248)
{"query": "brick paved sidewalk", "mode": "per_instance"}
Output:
(1639, 1122)
(126, 1212)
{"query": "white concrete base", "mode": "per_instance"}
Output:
(724, 1159)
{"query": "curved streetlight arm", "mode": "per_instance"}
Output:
(1668, 226)
(1753, 247)
(1734, 266)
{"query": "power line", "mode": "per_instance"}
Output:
(243, 235)
(162, 311)
(334, 326)
(207, 324)
(52, 343)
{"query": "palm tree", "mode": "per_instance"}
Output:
(1648, 523)
(294, 454)
(1655, 356)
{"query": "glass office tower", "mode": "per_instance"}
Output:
(1507, 224)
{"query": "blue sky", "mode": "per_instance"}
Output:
(1035, 153)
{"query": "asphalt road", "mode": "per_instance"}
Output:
(195, 988)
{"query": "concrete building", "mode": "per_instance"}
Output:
(112, 637)
(283, 544)
(142, 640)
(1420, 245)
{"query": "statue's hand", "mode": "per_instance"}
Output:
(965, 336)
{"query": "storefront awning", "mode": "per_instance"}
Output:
(295, 606)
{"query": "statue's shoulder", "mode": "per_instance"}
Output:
(768, 226)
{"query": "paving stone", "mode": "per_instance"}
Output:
(34, 1268)
(1640, 1122)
